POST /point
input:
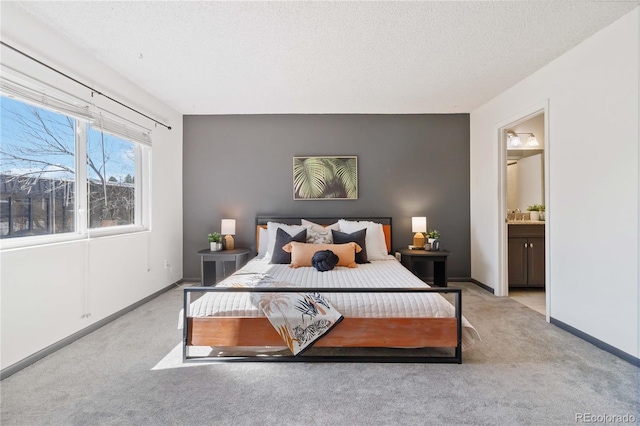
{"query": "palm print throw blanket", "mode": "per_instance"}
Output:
(299, 318)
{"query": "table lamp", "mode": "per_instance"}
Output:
(228, 228)
(418, 225)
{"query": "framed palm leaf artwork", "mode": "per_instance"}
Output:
(325, 178)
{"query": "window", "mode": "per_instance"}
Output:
(67, 171)
(111, 172)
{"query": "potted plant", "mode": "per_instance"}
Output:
(432, 236)
(215, 241)
(534, 211)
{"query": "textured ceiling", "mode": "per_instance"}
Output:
(326, 57)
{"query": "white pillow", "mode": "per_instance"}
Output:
(263, 243)
(375, 241)
(272, 229)
(318, 234)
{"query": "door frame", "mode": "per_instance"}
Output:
(500, 131)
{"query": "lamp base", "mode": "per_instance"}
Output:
(418, 239)
(228, 242)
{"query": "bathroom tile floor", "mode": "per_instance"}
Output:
(534, 299)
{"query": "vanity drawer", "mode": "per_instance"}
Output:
(526, 230)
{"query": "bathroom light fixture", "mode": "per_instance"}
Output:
(514, 141)
(532, 141)
(228, 227)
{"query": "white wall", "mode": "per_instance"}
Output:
(592, 208)
(45, 290)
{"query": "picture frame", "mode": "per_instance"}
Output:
(325, 178)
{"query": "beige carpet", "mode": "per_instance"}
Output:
(523, 372)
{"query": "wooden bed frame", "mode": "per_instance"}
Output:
(411, 332)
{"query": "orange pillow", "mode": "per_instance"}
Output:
(301, 253)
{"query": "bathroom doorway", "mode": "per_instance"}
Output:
(524, 210)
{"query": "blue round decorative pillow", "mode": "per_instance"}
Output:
(324, 260)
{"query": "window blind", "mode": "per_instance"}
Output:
(41, 96)
(106, 124)
(45, 99)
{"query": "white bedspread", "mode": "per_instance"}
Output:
(378, 274)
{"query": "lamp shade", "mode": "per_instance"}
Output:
(228, 227)
(418, 224)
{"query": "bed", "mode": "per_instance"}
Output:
(389, 315)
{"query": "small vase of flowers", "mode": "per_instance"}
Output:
(432, 236)
(215, 241)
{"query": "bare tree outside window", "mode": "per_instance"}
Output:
(38, 176)
(112, 198)
(37, 171)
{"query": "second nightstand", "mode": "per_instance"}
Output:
(439, 259)
(210, 259)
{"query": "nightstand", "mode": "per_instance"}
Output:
(439, 259)
(209, 260)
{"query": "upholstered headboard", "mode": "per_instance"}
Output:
(261, 222)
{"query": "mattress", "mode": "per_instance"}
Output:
(387, 273)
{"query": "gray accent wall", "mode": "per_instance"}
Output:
(240, 166)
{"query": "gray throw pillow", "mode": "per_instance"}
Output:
(282, 239)
(357, 237)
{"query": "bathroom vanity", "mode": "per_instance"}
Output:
(526, 254)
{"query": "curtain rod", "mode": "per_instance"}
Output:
(82, 84)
